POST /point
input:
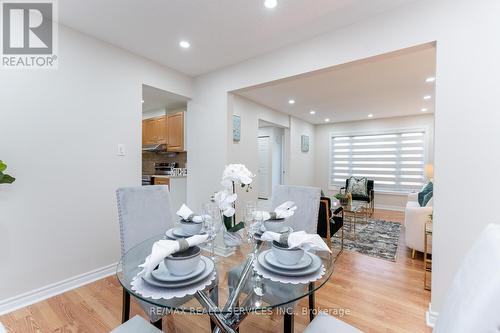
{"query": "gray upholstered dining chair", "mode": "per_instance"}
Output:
(472, 303)
(136, 325)
(305, 218)
(143, 212)
(307, 200)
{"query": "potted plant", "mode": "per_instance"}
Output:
(233, 175)
(343, 198)
(5, 178)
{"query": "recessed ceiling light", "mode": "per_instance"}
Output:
(291, 101)
(327, 120)
(184, 44)
(430, 79)
(423, 109)
(270, 4)
(312, 112)
(427, 97)
(370, 115)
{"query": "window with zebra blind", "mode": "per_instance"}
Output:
(395, 161)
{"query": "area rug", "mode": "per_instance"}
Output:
(376, 238)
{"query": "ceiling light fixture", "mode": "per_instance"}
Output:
(291, 101)
(142, 101)
(426, 97)
(327, 120)
(270, 4)
(430, 79)
(312, 112)
(424, 109)
(370, 115)
(184, 44)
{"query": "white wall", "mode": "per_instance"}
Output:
(301, 164)
(466, 106)
(246, 150)
(323, 133)
(59, 131)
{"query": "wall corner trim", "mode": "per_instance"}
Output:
(19, 301)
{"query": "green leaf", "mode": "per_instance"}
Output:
(237, 227)
(6, 179)
(3, 166)
(228, 222)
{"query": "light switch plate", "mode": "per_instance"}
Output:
(120, 149)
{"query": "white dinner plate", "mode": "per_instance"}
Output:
(305, 261)
(313, 267)
(209, 267)
(164, 275)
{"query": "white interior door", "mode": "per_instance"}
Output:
(264, 171)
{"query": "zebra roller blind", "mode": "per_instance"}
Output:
(395, 161)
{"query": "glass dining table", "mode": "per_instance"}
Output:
(236, 291)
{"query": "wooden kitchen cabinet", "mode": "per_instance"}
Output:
(167, 130)
(161, 181)
(162, 130)
(175, 131)
(155, 131)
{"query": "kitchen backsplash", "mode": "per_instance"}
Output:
(149, 159)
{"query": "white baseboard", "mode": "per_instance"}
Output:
(431, 317)
(389, 207)
(40, 294)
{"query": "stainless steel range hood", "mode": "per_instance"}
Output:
(155, 147)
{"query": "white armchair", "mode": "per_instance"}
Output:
(415, 218)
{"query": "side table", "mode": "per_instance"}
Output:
(427, 256)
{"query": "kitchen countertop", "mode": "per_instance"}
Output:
(167, 176)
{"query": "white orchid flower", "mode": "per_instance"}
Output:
(237, 173)
(225, 200)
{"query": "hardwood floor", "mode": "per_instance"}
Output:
(379, 295)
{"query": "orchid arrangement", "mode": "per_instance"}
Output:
(234, 174)
(5, 178)
(237, 174)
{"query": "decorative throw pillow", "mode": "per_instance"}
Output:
(358, 186)
(427, 198)
(425, 191)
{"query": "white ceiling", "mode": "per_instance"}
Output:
(385, 86)
(156, 99)
(221, 32)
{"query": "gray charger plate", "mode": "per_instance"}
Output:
(162, 274)
(170, 234)
(312, 268)
(178, 232)
(209, 267)
(302, 264)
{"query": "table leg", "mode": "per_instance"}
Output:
(312, 301)
(288, 323)
(214, 296)
(157, 324)
(125, 306)
(213, 311)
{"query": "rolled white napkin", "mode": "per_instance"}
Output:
(187, 214)
(283, 211)
(299, 239)
(163, 248)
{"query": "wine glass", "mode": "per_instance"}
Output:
(255, 225)
(250, 208)
(212, 223)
